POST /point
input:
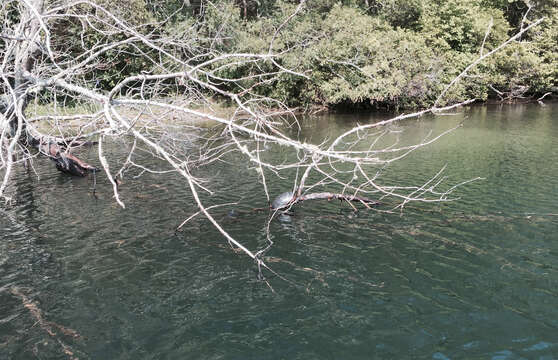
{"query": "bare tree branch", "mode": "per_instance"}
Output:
(35, 62)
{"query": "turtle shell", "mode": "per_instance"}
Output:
(282, 200)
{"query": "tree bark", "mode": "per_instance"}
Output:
(26, 54)
(65, 161)
(330, 196)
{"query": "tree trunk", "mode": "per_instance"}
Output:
(26, 53)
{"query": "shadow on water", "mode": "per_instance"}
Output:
(473, 279)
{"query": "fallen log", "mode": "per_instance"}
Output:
(330, 196)
(278, 205)
(65, 161)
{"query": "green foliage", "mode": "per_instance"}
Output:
(462, 25)
(364, 60)
(545, 48)
(134, 12)
(388, 53)
(400, 53)
(402, 13)
(221, 25)
(514, 67)
(73, 36)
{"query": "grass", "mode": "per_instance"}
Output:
(70, 119)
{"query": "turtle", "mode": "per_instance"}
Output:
(282, 200)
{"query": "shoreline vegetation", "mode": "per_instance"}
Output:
(46, 117)
(389, 54)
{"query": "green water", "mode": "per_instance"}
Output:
(471, 279)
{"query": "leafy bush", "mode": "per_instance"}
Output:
(461, 25)
(389, 53)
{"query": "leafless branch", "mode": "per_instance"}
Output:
(139, 109)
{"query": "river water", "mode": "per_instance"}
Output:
(472, 279)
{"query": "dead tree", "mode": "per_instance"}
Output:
(32, 63)
(23, 49)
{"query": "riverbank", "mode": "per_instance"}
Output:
(55, 118)
(72, 119)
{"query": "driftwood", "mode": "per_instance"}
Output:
(234, 213)
(56, 151)
(65, 161)
(330, 196)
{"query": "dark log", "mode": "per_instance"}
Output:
(26, 54)
(65, 161)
